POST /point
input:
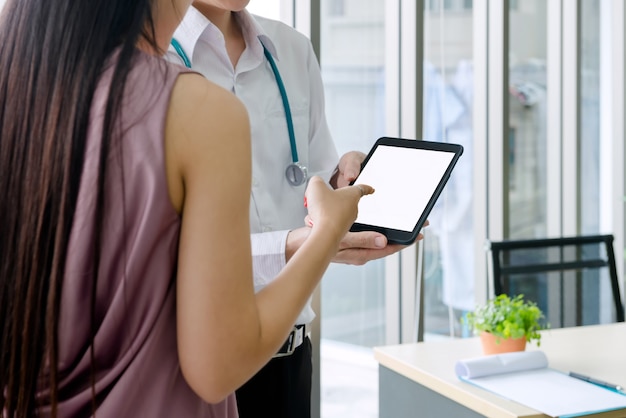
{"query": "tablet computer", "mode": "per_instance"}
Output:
(408, 176)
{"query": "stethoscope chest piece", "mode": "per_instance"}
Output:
(296, 174)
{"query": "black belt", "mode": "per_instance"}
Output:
(294, 340)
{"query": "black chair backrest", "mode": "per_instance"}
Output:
(562, 275)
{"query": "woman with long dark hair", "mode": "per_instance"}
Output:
(125, 268)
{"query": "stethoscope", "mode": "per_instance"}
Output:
(295, 173)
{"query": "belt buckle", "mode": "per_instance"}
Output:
(292, 342)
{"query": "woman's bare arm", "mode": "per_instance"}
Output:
(226, 333)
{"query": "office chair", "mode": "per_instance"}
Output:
(572, 279)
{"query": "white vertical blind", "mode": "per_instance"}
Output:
(570, 96)
(554, 121)
(497, 72)
(392, 123)
(616, 92)
(480, 128)
(410, 58)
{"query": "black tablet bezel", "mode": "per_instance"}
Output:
(395, 236)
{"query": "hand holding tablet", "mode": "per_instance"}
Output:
(408, 176)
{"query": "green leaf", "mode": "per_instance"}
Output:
(507, 317)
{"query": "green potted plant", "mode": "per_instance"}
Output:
(506, 323)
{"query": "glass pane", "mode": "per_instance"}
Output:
(352, 57)
(593, 144)
(527, 122)
(448, 100)
(352, 297)
(590, 117)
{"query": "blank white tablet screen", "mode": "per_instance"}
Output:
(405, 180)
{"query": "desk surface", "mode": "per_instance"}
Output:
(598, 351)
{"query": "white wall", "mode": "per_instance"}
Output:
(266, 8)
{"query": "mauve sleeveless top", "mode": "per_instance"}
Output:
(137, 373)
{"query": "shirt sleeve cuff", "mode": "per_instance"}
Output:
(268, 256)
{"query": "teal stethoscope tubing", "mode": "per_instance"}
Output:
(283, 94)
(181, 53)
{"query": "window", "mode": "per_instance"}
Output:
(353, 297)
(448, 108)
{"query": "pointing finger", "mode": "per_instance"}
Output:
(364, 189)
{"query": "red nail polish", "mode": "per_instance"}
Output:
(305, 204)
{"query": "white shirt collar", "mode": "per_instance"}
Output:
(195, 25)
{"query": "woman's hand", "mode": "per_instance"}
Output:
(333, 211)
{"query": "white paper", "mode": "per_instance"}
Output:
(524, 377)
(501, 363)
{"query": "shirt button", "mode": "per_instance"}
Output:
(255, 183)
(267, 228)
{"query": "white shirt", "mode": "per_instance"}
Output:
(275, 206)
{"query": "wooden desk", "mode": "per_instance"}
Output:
(418, 380)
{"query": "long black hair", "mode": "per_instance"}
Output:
(52, 53)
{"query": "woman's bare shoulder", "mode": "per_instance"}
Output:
(193, 95)
(200, 109)
(207, 133)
